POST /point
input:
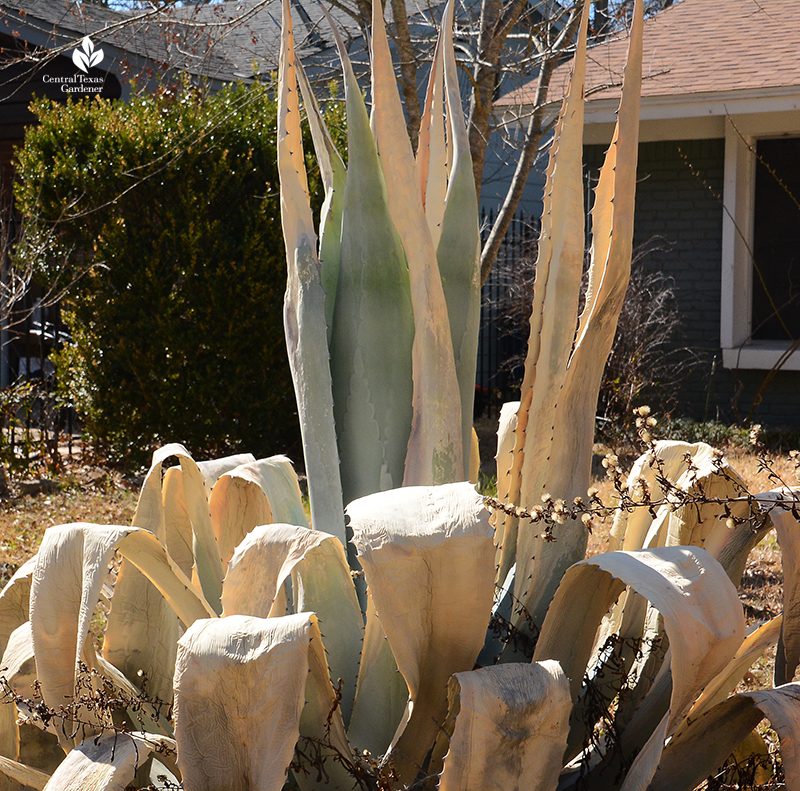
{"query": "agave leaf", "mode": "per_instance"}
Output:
(108, 763)
(257, 493)
(373, 328)
(206, 553)
(559, 269)
(459, 243)
(334, 177)
(322, 584)
(696, 470)
(321, 724)
(612, 225)
(261, 564)
(24, 775)
(436, 450)
(212, 469)
(304, 307)
(381, 692)
(474, 458)
(694, 754)
(178, 539)
(70, 569)
(702, 615)
(505, 526)
(726, 682)
(428, 558)
(239, 687)
(783, 514)
(14, 601)
(278, 481)
(432, 154)
(510, 728)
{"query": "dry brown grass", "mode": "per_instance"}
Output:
(82, 494)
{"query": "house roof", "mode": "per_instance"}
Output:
(695, 48)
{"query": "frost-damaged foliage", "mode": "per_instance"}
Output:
(234, 613)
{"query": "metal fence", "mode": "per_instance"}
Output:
(503, 334)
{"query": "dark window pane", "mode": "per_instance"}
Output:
(776, 241)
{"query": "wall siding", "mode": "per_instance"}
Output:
(684, 210)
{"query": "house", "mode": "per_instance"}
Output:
(719, 184)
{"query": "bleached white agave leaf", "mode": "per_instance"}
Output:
(694, 469)
(14, 601)
(612, 234)
(373, 328)
(304, 307)
(238, 504)
(505, 528)
(432, 160)
(334, 176)
(510, 728)
(322, 584)
(437, 448)
(754, 645)
(256, 493)
(141, 629)
(18, 667)
(702, 748)
(212, 469)
(26, 776)
(107, 763)
(261, 564)
(428, 558)
(785, 520)
(70, 569)
(703, 620)
(239, 688)
(381, 691)
(556, 291)
(458, 250)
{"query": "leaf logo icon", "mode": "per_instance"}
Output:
(86, 56)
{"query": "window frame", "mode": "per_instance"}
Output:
(741, 134)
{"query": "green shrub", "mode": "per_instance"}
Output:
(163, 217)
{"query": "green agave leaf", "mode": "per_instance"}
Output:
(459, 243)
(322, 584)
(305, 307)
(437, 452)
(334, 178)
(373, 328)
(381, 692)
(428, 558)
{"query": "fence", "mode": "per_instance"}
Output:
(505, 307)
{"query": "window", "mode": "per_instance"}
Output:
(760, 311)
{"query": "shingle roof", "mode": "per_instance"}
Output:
(696, 47)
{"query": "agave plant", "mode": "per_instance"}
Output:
(236, 636)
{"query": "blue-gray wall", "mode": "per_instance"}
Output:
(684, 209)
